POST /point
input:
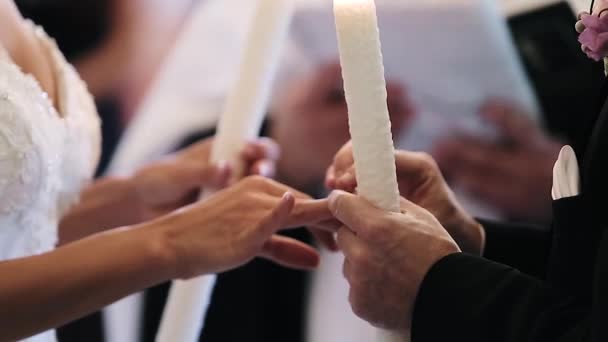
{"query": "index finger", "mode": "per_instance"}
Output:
(512, 122)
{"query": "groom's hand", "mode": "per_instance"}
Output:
(421, 182)
(387, 256)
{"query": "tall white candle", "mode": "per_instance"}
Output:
(370, 126)
(241, 121)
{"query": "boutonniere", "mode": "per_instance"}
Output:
(594, 36)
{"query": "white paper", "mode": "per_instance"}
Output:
(451, 55)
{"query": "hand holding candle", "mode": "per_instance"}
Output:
(244, 113)
(370, 126)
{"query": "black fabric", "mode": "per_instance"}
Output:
(475, 299)
(469, 298)
(78, 26)
(566, 82)
(533, 244)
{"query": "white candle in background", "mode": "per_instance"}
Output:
(246, 106)
(370, 126)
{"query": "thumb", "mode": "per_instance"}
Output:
(355, 212)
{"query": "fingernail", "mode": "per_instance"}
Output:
(287, 196)
(263, 170)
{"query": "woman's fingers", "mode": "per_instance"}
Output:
(262, 148)
(290, 253)
(264, 167)
(278, 217)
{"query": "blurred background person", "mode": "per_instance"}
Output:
(514, 174)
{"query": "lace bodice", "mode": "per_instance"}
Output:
(46, 155)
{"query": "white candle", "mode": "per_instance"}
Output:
(241, 121)
(370, 126)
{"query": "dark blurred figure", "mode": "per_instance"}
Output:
(515, 173)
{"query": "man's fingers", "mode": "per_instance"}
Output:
(355, 212)
(350, 244)
(330, 178)
(347, 181)
(344, 159)
(325, 238)
(512, 122)
(290, 253)
(458, 156)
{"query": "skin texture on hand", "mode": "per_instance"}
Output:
(237, 224)
(387, 256)
(421, 182)
(513, 174)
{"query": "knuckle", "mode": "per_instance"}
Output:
(427, 161)
(359, 258)
(255, 181)
(356, 302)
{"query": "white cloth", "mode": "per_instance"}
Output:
(566, 175)
(45, 155)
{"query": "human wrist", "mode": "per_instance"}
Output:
(157, 250)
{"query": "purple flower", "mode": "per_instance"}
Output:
(595, 36)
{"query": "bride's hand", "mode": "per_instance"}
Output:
(158, 189)
(236, 225)
(176, 181)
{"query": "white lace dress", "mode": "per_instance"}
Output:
(46, 154)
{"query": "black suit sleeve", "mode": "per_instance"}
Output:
(524, 247)
(469, 298)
